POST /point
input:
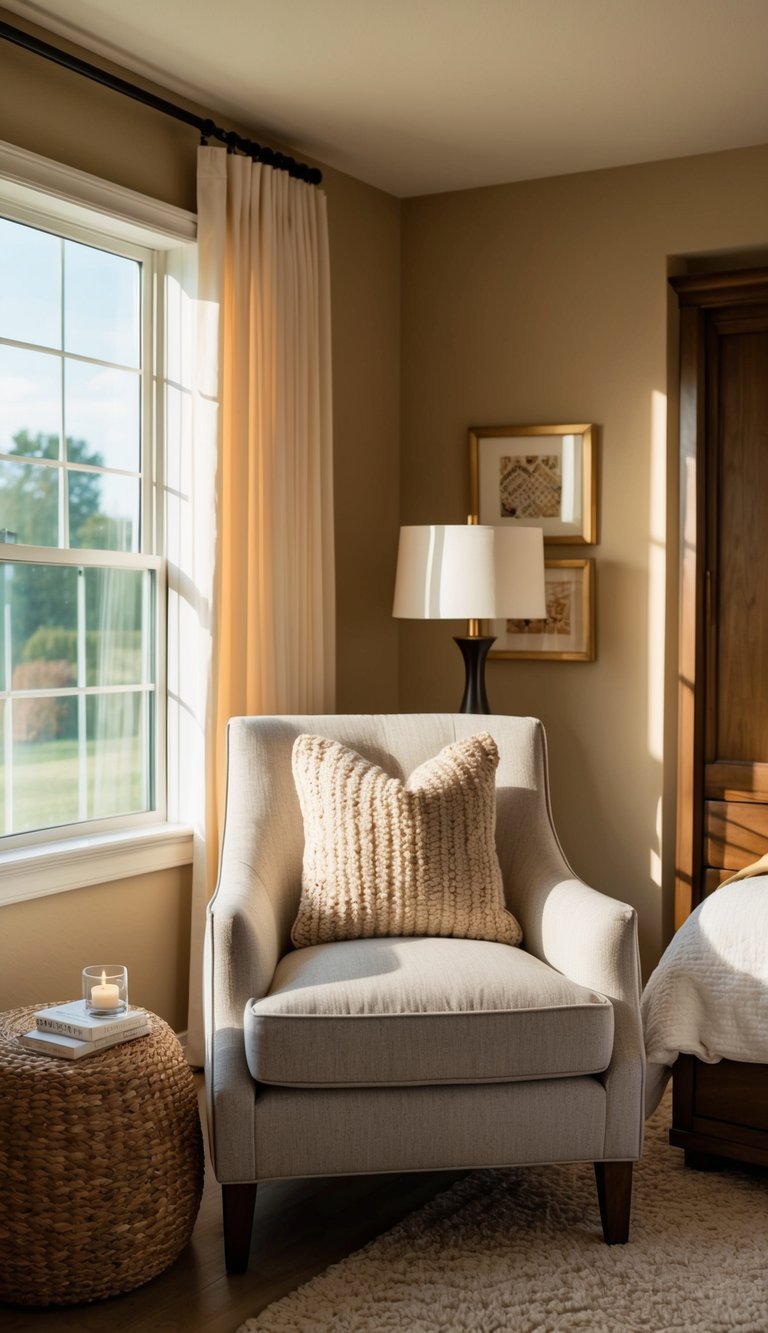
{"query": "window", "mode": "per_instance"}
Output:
(81, 583)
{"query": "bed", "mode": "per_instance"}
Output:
(705, 1018)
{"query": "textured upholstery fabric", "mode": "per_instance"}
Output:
(305, 1132)
(416, 1011)
(383, 857)
(258, 1131)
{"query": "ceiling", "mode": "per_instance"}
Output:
(418, 96)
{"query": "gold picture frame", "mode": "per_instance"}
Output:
(568, 632)
(536, 476)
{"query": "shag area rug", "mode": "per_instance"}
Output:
(521, 1249)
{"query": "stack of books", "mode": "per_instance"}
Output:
(71, 1032)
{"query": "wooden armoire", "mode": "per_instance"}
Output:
(721, 1110)
(722, 804)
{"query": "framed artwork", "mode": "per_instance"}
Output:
(568, 632)
(538, 476)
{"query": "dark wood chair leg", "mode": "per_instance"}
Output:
(614, 1193)
(238, 1203)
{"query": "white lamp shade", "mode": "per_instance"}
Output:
(456, 571)
(519, 562)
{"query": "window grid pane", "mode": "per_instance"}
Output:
(102, 304)
(78, 652)
(30, 284)
(78, 715)
(78, 407)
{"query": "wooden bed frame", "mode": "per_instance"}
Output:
(719, 1111)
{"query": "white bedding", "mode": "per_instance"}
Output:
(709, 994)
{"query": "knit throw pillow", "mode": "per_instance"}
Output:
(386, 858)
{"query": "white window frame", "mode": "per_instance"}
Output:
(56, 198)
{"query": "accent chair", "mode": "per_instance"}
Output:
(391, 1054)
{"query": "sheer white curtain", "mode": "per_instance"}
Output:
(257, 595)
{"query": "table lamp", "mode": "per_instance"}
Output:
(456, 571)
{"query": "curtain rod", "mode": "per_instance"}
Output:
(208, 128)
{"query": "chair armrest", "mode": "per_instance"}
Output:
(584, 934)
(241, 953)
(246, 938)
(592, 939)
(247, 930)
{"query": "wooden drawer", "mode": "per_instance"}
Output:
(735, 832)
(736, 780)
(734, 1092)
(720, 1111)
(713, 879)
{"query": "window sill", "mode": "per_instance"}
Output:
(74, 863)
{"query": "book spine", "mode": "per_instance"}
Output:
(48, 1048)
(142, 1031)
(83, 1033)
(70, 1048)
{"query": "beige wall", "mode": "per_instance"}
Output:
(62, 116)
(548, 302)
(364, 228)
(142, 922)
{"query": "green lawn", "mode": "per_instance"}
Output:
(45, 782)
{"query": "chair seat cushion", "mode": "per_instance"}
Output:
(367, 1013)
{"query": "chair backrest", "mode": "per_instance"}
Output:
(263, 827)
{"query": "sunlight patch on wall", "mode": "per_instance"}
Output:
(655, 869)
(657, 565)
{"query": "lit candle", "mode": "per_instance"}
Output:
(105, 996)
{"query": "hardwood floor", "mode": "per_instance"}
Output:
(301, 1227)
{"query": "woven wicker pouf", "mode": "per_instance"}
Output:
(101, 1165)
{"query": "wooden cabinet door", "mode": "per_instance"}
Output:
(722, 809)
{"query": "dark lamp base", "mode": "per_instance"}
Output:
(474, 650)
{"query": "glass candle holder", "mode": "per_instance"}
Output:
(105, 989)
